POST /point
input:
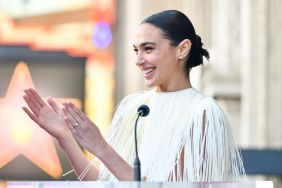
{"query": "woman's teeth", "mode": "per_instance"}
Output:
(148, 71)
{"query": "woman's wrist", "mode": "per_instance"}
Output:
(66, 140)
(104, 150)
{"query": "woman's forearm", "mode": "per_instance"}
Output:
(115, 163)
(78, 159)
(106, 154)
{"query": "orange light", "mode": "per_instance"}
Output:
(103, 10)
(21, 135)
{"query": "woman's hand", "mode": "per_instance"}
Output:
(89, 136)
(71, 123)
(50, 118)
(85, 132)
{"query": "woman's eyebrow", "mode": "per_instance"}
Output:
(144, 44)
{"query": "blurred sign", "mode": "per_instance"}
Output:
(26, 8)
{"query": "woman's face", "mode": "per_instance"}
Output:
(156, 58)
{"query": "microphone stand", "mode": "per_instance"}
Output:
(143, 111)
(137, 170)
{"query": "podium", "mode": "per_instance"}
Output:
(92, 184)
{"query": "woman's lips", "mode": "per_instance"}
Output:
(148, 72)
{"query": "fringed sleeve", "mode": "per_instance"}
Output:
(210, 152)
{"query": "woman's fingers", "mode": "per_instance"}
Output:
(69, 123)
(38, 98)
(71, 120)
(75, 111)
(31, 115)
(35, 98)
(54, 105)
(71, 112)
(31, 105)
(32, 100)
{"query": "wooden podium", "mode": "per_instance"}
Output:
(92, 184)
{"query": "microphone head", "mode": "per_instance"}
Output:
(143, 110)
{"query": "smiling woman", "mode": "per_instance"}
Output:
(186, 136)
(172, 45)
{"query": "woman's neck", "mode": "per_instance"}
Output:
(182, 82)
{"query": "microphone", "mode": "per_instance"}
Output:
(143, 111)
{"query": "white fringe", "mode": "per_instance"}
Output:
(174, 128)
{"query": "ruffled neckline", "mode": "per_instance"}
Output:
(173, 92)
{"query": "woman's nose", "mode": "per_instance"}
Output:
(139, 59)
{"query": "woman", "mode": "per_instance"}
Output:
(186, 136)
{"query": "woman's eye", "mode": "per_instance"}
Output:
(135, 50)
(148, 49)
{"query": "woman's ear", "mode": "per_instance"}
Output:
(184, 48)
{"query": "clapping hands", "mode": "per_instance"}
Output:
(61, 122)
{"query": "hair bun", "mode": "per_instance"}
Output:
(197, 53)
(199, 41)
(202, 50)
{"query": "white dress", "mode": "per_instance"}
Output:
(185, 137)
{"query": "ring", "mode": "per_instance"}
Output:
(75, 125)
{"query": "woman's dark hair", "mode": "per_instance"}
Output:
(176, 27)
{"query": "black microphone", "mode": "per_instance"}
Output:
(143, 111)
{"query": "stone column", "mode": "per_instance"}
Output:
(221, 76)
(273, 124)
(261, 74)
(253, 52)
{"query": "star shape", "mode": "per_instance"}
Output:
(19, 134)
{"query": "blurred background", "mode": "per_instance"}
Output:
(81, 50)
